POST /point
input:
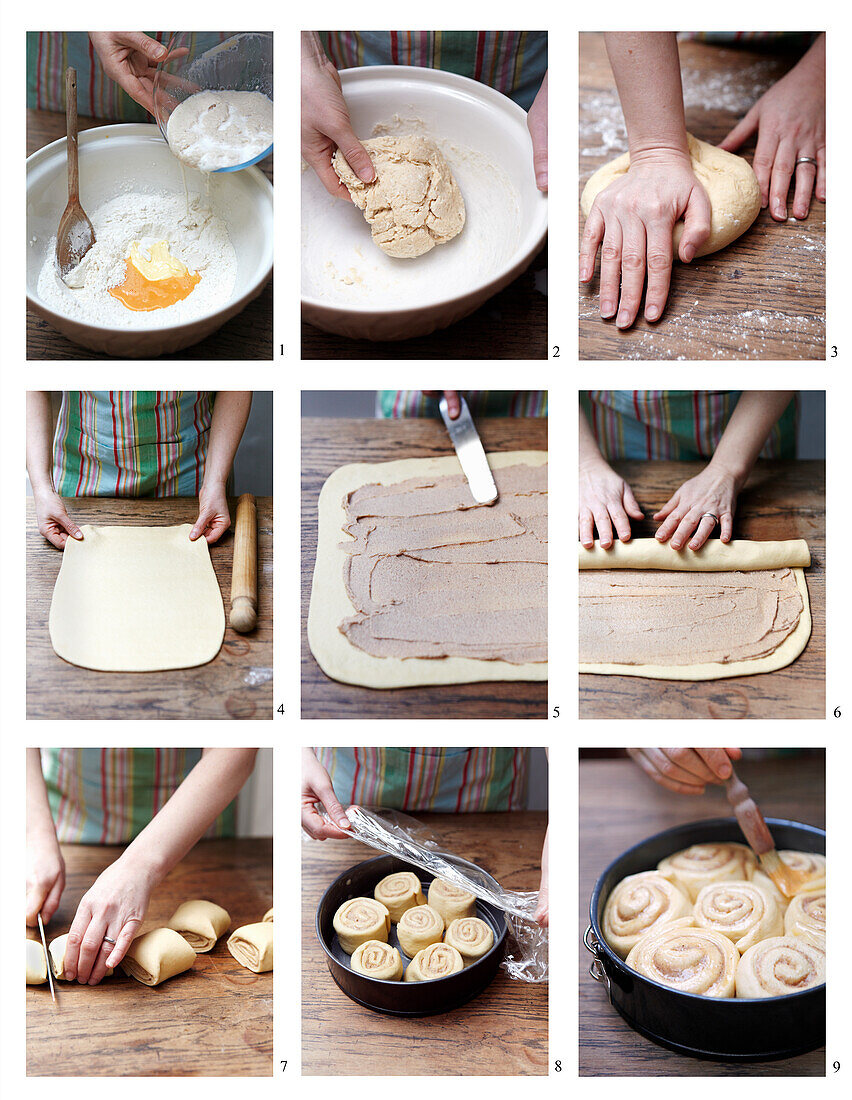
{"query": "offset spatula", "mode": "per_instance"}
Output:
(756, 832)
(471, 453)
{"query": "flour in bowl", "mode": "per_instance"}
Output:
(220, 129)
(165, 235)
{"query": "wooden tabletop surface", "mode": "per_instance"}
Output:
(511, 325)
(793, 789)
(214, 1020)
(501, 1032)
(246, 336)
(329, 443)
(781, 500)
(235, 684)
(763, 297)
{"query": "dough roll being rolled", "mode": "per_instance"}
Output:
(377, 960)
(399, 892)
(805, 917)
(713, 557)
(156, 956)
(359, 920)
(419, 927)
(438, 960)
(703, 864)
(56, 950)
(36, 963)
(743, 911)
(471, 937)
(451, 901)
(689, 959)
(780, 965)
(201, 923)
(641, 903)
(251, 946)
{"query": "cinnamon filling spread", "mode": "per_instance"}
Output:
(434, 574)
(635, 617)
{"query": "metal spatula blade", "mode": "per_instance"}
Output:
(471, 453)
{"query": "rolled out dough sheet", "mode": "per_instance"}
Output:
(136, 599)
(330, 603)
(715, 556)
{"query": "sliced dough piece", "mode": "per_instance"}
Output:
(419, 927)
(361, 919)
(268, 915)
(702, 865)
(451, 901)
(201, 923)
(398, 892)
(439, 960)
(56, 948)
(471, 937)
(780, 965)
(156, 956)
(377, 960)
(251, 946)
(36, 963)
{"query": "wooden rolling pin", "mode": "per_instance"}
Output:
(243, 617)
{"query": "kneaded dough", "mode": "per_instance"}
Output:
(36, 963)
(156, 956)
(729, 181)
(56, 949)
(414, 203)
(136, 599)
(714, 556)
(201, 923)
(251, 946)
(330, 603)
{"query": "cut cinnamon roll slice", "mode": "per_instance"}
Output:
(359, 920)
(471, 937)
(703, 864)
(399, 892)
(780, 965)
(641, 903)
(418, 928)
(438, 960)
(451, 901)
(743, 911)
(805, 917)
(811, 864)
(689, 959)
(377, 960)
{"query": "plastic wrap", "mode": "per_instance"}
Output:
(403, 836)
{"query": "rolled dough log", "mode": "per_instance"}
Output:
(251, 946)
(136, 599)
(157, 956)
(56, 948)
(200, 923)
(729, 181)
(36, 963)
(330, 602)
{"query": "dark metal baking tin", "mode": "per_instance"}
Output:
(403, 998)
(724, 1029)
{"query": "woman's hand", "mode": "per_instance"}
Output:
(214, 519)
(606, 501)
(537, 126)
(790, 123)
(53, 520)
(542, 910)
(686, 771)
(714, 491)
(130, 58)
(326, 125)
(317, 788)
(632, 222)
(45, 877)
(113, 907)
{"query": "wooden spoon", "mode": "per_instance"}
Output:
(756, 831)
(75, 235)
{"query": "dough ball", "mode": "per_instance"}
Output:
(201, 923)
(729, 181)
(36, 965)
(414, 203)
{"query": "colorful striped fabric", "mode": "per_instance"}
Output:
(108, 796)
(131, 443)
(682, 425)
(49, 53)
(404, 403)
(444, 780)
(513, 62)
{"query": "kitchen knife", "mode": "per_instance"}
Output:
(47, 960)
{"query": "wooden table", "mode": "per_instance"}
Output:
(214, 1020)
(793, 789)
(235, 684)
(246, 336)
(763, 297)
(511, 325)
(781, 500)
(501, 1032)
(329, 443)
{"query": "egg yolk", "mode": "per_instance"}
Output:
(155, 280)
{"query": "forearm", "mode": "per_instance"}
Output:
(211, 785)
(39, 818)
(230, 415)
(590, 453)
(751, 422)
(814, 59)
(646, 67)
(39, 441)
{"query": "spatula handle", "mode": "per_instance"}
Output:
(71, 128)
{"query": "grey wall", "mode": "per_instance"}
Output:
(537, 783)
(811, 437)
(356, 403)
(253, 462)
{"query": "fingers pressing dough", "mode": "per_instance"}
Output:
(56, 949)
(157, 956)
(201, 923)
(251, 946)
(36, 964)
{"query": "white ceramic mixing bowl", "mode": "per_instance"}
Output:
(349, 286)
(134, 156)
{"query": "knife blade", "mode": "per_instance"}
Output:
(47, 960)
(470, 452)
